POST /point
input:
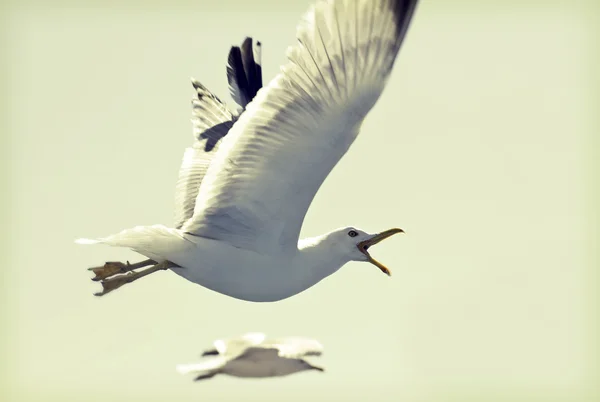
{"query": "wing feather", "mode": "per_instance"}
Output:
(297, 347)
(244, 72)
(211, 122)
(264, 176)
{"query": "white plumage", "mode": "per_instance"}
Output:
(246, 183)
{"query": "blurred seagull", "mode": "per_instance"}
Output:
(246, 183)
(254, 356)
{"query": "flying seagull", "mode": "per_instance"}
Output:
(254, 356)
(246, 183)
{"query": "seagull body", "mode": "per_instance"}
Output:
(254, 356)
(244, 274)
(246, 183)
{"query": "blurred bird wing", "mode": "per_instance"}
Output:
(236, 346)
(297, 347)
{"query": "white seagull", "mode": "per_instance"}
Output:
(247, 181)
(254, 356)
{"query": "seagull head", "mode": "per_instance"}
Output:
(355, 244)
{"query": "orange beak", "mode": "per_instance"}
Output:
(364, 245)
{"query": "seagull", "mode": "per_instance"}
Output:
(247, 181)
(254, 356)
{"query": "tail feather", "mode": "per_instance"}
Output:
(156, 242)
(87, 241)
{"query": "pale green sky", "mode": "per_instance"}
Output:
(479, 141)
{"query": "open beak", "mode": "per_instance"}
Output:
(364, 245)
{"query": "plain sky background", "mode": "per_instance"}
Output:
(477, 149)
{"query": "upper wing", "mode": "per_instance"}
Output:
(297, 347)
(244, 73)
(234, 346)
(268, 169)
(211, 122)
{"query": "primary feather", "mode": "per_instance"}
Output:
(244, 71)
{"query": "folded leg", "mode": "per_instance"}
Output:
(115, 282)
(114, 267)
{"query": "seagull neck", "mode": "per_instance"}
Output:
(319, 259)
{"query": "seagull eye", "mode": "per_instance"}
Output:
(353, 233)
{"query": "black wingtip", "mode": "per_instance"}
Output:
(404, 11)
(196, 84)
(204, 376)
(244, 73)
(247, 42)
(235, 74)
(211, 352)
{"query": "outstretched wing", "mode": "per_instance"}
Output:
(211, 122)
(264, 176)
(244, 72)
